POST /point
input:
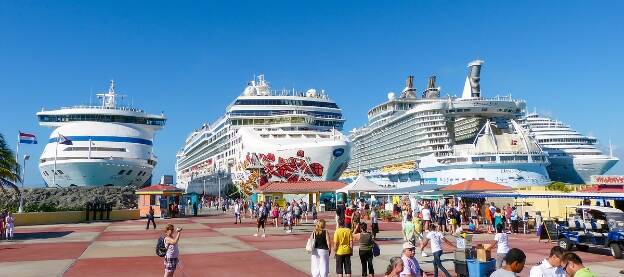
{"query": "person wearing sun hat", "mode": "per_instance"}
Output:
(410, 264)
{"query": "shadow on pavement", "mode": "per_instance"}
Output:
(41, 235)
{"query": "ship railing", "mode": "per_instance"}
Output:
(120, 108)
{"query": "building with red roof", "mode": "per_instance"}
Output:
(151, 196)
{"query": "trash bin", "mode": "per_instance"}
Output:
(461, 268)
(477, 268)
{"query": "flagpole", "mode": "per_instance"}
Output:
(17, 150)
(58, 136)
(89, 157)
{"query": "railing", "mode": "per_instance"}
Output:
(121, 108)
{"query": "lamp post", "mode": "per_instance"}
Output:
(21, 204)
(219, 182)
(204, 191)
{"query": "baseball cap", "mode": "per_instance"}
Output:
(408, 245)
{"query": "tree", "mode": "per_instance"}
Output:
(9, 167)
(558, 186)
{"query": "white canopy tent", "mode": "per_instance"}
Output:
(361, 184)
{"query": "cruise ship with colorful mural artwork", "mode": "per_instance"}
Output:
(266, 136)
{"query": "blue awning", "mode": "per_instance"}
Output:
(611, 196)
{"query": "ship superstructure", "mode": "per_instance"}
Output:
(574, 157)
(264, 136)
(412, 140)
(105, 145)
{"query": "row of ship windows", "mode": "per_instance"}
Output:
(102, 118)
(285, 112)
(581, 140)
(58, 172)
(95, 149)
(282, 120)
(290, 102)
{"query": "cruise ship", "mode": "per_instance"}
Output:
(574, 157)
(266, 136)
(429, 139)
(105, 145)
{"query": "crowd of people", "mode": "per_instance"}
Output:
(425, 224)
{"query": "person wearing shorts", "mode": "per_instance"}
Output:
(343, 243)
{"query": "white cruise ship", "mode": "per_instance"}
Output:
(105, 145)
(573, 157)
(266, 136)
(413, 140)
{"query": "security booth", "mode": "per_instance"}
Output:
(160, 198)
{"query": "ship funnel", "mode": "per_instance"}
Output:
(409, 91)
(432, 80)
(432, 91)
(472, 88)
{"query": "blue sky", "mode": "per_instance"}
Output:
(192, 58)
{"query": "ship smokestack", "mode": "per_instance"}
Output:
(472, 87)
(409, 83)
(432, 80)
(409, 91)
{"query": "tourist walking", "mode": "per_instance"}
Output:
(573, 265)
(436, 238)
(237, 213)
(374, 222)
(304, 210)
(10, 225)
(514, 220)
(474, 216)
(489, 219)
(171, 243)
(426, 216)
(366, 242)
(314, 212)
(501, 242)
(411, 267)
(498, 219)
(514, 263)
(348, 217)
(150, 217)
(322, 248)
(409, 230)
(356, 218)
(262, 217)
(275, 214)
(343, 243)
(395, 268)
(551, 266)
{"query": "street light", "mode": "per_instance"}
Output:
(21, 204)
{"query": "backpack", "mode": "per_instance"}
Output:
(161, 249)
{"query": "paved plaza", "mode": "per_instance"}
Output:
(211, 245)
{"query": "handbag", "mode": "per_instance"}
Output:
(310, 244)
(376, 250)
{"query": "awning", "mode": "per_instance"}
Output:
(301, 187)
(361, 184)
(409, 190)
(577, 195)
(476, 185)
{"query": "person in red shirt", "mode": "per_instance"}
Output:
(348, 217)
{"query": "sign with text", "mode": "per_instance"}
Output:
(607, 179)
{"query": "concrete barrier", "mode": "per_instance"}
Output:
(43, 218)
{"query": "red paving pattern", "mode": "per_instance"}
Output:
(152, 234)
(42, 251)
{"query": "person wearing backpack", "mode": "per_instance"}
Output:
(172, 252)
(366, 249)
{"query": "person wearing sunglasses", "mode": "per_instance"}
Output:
(550, 267)
(573, 265)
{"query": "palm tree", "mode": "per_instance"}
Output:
(9, 167)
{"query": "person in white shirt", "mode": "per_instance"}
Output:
(426, 217)
(550, 267)
(237, 213)
(436, 238)
(502, 245)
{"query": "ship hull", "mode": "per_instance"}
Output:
(508, 174)
(96, 172)
(578, 171)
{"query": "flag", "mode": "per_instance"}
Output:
(27, 138)
(514, 142)
(64, 140)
